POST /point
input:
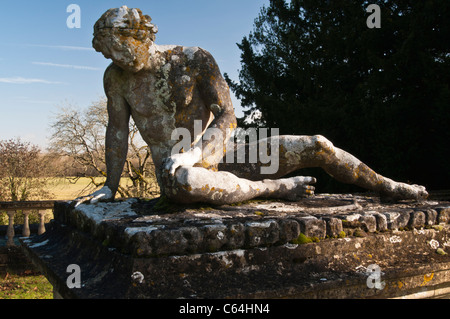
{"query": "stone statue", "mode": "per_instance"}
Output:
(167, 87)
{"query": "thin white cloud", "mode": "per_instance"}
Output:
(21, 80)
(68, 47)
(69, 66)
(62, 47)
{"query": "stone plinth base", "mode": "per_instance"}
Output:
(321, 247)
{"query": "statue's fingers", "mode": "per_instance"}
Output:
(173, 168)
(81, 200)
(97, 198)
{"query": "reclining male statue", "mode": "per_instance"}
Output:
(167, 87)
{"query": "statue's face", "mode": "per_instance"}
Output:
(126, 52)
(125, 36)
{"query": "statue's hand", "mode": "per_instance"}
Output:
(189, 158)
(102, 194)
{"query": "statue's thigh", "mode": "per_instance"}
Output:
(283, 153)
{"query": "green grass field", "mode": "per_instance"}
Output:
(64, 189)
(27, 285)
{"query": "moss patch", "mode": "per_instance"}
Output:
(303, 239)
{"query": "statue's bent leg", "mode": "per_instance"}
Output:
(197, 184)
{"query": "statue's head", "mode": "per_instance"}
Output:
(125, 36)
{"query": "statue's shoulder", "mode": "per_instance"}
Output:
(186, 55)
(112, 70)
(112, 78)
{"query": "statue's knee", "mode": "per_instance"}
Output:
(176, 186)
(183, 187)
(323, 143)
(324, 149)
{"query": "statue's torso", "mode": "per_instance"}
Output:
(164, 100)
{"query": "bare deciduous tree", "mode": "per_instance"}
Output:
(23, 172)
(80, 135)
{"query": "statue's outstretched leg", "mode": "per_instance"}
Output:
(296, 152)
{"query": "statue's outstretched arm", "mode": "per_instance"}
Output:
(116, 143)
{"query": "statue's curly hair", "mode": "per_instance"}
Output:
(127, 22)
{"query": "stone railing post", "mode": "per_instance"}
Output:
(11, 208)
(26, 225)
(10, 231)
(41, 228)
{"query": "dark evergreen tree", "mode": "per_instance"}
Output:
(314, 67)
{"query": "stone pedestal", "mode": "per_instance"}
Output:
(328, 246)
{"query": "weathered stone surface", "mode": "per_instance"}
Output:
(381, 220)
(333, 226)
(397, 219)
(289, 230)
(369, 222)
(431, 216)
(312, 226)
(245, 250)
(138, 228)
(443, 214)
(417, 219)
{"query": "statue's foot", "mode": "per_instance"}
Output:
(402, 191)
(292, 189)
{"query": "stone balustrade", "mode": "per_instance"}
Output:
(26, 207)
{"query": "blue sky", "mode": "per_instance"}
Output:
(44, 64)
